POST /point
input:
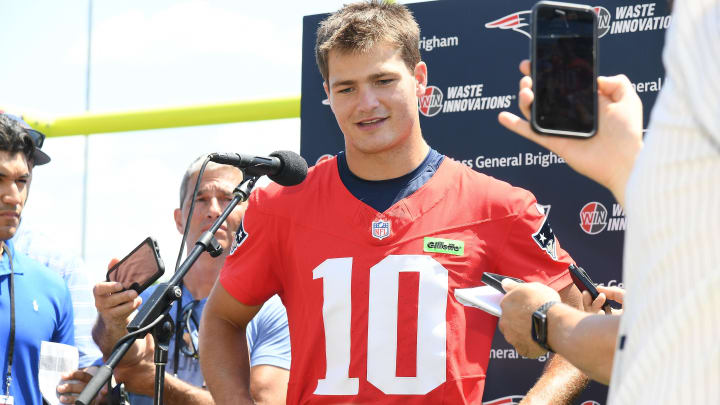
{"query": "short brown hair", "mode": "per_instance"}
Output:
(193, 169)
(358, 27)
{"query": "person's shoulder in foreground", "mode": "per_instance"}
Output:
(671, 179)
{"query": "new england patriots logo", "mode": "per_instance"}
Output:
(239, 238)
(518, 22)
(545, 238)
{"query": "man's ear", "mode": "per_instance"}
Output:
(421, 77)
(29, 182)
(327, 93)
(179, 220)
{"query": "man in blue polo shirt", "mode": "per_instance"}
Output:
(35, 303)
(46, 250)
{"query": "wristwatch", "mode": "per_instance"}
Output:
(539, 325)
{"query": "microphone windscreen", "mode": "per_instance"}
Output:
(294, 168)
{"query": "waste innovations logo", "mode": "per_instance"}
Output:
(431, 103)
(630, 18)
(603, 20)
(637, 17)
(462, 98)
(594, 218)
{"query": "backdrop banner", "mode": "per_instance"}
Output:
(472, 50)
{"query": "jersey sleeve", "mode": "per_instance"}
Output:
(531, 251)
(269, 337)
(249, 273)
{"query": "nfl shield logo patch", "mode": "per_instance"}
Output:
(380, 229)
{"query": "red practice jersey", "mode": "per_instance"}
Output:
(370, 296)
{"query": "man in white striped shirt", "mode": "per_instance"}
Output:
(663, 349)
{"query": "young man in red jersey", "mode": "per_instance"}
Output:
(368, 251)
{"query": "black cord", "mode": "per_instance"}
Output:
(178, 330)
(11, 337)
(192, 208)
(133, 335)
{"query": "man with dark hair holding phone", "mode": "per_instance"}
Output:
(268, 336)
(35, 303)
(663, 348)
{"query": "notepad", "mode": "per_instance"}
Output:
(484, 297)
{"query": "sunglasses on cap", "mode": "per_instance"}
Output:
(38, 138)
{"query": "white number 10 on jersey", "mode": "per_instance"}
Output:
(382, 325)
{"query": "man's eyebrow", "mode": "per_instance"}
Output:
(376, 76)
(23, 176)
(371, 78)
(209, 189)
(342, 83)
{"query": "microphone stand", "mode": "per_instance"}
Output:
(154, 313)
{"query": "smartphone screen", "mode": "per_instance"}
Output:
(139, 269)
(564, 69)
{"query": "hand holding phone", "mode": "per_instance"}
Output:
(495, 280)
(564, 69)
(583, 282)
(140, 268)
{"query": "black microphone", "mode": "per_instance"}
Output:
(283, 167)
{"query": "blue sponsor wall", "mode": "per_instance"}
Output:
(472, 50)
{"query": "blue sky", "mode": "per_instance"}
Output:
(145, 54)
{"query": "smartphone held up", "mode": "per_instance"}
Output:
(140, 268)
(563, 57)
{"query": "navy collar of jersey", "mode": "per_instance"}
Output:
(383, 194)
